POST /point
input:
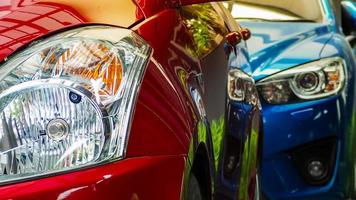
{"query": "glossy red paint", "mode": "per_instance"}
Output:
(22, 21)
(131, 179)
(159, 126)
(190, 2)
(152, 7)
(165, 110)
(165, 116)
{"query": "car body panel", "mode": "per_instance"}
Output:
(238, 164)
(24, 21)
(164, 105)
(170, 125)
(156, 100)
(129, 179)
(104, 11)
(278, 46)
(152, 7)
(274, 48)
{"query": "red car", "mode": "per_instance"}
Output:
(145, 99)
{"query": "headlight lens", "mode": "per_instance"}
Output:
(66, 102)
(314, 80)
(241, 87)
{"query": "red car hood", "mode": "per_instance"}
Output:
(22, 21)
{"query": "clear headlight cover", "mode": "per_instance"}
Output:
(314, 80)
(241, 88)
(66, 102)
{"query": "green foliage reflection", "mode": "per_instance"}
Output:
(205, 25)
(217, 132)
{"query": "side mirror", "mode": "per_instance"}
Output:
(349, 20)
(349, 17)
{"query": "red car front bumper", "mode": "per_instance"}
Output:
(155, 178)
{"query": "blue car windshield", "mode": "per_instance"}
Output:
(276, 10)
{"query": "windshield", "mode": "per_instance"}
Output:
(276, 10)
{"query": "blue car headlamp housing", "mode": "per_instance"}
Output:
(314, 80)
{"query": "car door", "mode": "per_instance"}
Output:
(234, 121)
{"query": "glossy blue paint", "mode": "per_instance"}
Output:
(330, 15)
(234, 178)
(278, 46)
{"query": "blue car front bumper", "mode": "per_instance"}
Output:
(292, 127)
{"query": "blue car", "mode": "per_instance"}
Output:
(302, 60)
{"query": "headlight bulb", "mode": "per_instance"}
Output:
(307, 81)
(57, 129)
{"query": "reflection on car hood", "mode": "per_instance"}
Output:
(23, 21)
(276, 46)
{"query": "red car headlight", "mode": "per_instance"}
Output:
(66, 101)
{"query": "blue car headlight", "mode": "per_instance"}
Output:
(241, 88)
(314, 80)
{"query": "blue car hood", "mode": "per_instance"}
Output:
(277, 46)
